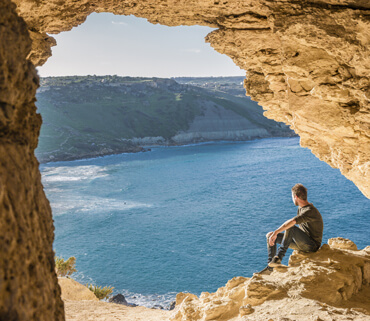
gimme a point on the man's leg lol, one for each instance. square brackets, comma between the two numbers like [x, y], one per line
[296, 239]
[271, 250]
[293, 238]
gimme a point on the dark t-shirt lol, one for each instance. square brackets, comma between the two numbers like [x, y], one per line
[310, 221]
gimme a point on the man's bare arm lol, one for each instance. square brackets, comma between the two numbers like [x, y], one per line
[286, 225]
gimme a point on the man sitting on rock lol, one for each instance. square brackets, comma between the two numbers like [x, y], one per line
[306, 238]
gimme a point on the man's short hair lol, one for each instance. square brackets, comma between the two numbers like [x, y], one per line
[300, 191]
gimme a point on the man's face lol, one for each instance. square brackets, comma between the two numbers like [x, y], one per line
[294, 199]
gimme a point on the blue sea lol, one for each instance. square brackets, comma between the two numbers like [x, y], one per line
[190, 218]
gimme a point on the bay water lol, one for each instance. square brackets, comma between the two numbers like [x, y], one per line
[190, 218]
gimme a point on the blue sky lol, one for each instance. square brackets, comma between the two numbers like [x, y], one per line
[128, 46]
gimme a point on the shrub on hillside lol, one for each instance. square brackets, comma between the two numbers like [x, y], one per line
[65, 268]
[101, 293]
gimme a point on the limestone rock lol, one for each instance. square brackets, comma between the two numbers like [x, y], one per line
[29, 287]
[222, 305]
[334, 277]
[342, 243]
[245, 310]
[72, 290]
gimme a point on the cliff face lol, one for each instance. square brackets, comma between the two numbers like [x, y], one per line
[332, 283]
[218, 123]
[28, 284]
[307, 62]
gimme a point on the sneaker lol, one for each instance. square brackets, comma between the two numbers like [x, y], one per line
[276, 261]
[266, 271]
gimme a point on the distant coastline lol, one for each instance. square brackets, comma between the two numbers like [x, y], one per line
[94, 116]
[148, 148]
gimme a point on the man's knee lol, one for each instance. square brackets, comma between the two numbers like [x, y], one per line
[269, 234]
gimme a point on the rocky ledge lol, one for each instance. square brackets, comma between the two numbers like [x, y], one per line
[331, 284]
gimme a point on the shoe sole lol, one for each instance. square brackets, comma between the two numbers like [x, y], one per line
[273, 264]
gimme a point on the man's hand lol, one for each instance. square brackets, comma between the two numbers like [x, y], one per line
[272, 239]
[273, 235]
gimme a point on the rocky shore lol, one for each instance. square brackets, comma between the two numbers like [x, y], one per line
[331, 284]
[139, 145]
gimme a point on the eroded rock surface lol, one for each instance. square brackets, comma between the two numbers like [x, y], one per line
[28, 283]
[307, 62]
[333, 279]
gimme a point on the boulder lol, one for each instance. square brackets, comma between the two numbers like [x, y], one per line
[342, 243]
[119, 299]
[172, 306]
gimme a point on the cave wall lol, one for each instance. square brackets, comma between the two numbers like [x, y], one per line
[311, 71]
[28, 284]
[307, 64]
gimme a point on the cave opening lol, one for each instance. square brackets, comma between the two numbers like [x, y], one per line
[152, 51]
[28, 222]
[94, 61]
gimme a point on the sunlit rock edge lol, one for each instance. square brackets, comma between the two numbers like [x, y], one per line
[333, 282]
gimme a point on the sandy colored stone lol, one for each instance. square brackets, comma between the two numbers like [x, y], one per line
[245, 310]
[72, 290]
[330, 282]
[28, 284]
[289, 309]
[104, 311]
[342, 243]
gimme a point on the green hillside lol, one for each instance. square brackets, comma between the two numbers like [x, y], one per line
[96, 115]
